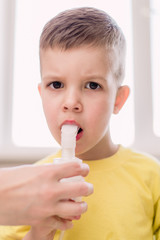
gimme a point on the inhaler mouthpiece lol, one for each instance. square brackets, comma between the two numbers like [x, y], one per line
[68, 141]
[68, 136]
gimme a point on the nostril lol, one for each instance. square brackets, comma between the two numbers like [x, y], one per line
[72, 107]
[65, 109]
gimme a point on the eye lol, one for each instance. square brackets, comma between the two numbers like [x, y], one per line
[93, 85]
[56, 85]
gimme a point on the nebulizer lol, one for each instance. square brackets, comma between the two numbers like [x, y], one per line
[68, 144]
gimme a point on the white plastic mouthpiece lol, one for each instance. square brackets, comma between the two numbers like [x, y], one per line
[68, 141]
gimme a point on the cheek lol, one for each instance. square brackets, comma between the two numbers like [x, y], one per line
[98, 115]
[51, 115]
[49, 105]
[100, 109]
[50, 110]
[47, 108]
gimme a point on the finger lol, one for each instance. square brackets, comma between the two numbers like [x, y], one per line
[71, 218]
[50, 225]
[62, 224]
[71, 190]
[68, 208]
[70, 169]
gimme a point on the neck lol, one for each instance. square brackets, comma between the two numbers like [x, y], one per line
[105, 148]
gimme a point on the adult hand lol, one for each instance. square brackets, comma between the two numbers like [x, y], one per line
[29, 194]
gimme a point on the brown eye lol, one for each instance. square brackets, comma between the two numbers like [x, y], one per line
[57, 85]
[93, 85]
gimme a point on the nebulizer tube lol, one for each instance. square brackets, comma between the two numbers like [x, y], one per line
[68, 144]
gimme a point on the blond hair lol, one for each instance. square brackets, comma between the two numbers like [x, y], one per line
[87, 26]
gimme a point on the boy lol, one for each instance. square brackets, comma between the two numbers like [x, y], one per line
[82, 54]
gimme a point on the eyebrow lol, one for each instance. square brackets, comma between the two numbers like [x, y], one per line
[92, 77]
[88, 78]
[51, 76]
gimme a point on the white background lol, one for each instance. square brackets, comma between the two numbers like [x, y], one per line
[23, 130]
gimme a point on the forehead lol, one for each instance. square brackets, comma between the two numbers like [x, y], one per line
[83, 59]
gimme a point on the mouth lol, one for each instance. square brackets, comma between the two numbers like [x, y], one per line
[80, 130]
[79, 133]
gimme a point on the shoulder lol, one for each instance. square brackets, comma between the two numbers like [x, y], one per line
[143, 166]
[140, 158]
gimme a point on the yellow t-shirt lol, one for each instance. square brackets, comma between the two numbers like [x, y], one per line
[125, 204]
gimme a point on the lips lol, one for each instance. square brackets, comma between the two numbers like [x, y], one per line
[73, 122]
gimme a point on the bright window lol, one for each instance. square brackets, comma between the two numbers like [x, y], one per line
[155, 54]
[29, 128]
[24, 134]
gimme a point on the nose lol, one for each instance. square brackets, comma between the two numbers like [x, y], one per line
[72, 102]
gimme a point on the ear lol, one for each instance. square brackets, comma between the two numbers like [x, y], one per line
[122, 95]
[39, 88]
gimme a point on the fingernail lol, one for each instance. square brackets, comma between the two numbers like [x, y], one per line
[90, 188]
[84, 206]
[84, 166]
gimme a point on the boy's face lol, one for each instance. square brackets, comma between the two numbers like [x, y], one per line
[78, 88]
